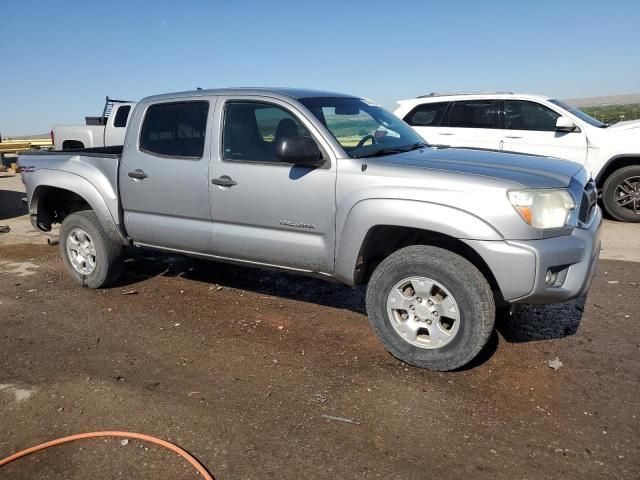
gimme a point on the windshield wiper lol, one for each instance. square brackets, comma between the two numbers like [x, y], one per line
[390, 151]
[380, 152]
[417, 145]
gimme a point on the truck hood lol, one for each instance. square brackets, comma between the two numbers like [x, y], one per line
[530, 171]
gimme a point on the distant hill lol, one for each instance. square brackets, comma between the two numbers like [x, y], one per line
[630, 99]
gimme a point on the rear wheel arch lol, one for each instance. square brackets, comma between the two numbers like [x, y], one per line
[72, 144]
[51, 204]
[54, 204]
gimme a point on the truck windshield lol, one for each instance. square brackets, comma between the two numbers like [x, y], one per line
[585, 117]
[362, 128]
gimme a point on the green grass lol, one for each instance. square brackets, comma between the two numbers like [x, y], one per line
[614, 113]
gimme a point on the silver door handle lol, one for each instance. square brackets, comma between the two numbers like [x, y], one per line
[512, 136]
[224, 181]
[137, 174]
[443, 133]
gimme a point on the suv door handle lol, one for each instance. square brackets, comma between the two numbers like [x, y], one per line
[224, 181]
[512, 136]
[445, 133]
[138, 174]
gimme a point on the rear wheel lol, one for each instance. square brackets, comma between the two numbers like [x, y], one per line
[91, 257]
[430, 307]
[621, 194]
[72, 145]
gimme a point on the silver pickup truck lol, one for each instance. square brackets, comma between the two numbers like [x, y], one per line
[335, 186]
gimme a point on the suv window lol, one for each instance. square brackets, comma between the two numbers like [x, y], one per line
[175, 129]
[524, 115]
[474, 114]
[122, 114]
[427, 115]
[251, 130]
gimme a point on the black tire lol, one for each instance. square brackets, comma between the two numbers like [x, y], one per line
[108, 265]
[621, 214]
[465, 283]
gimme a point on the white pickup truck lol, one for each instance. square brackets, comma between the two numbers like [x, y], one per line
[539, 125]
[103, 131]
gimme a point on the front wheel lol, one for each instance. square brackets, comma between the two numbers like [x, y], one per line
[621, 194]
[91, 257]
[430, 307]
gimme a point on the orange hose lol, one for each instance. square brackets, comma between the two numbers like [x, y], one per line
[140, 436]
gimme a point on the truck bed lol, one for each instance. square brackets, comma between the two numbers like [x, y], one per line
[112, 150]
[92, 173]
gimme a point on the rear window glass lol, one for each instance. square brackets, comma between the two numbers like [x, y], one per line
[175, 129]
[427, 115]
[474, 114]
[121, 116]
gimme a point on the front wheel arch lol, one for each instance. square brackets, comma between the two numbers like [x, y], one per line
[614, 164]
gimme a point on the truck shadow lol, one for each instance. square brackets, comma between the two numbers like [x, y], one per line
[527, 323]
[530, 323]
[11, 204]
[141, 264]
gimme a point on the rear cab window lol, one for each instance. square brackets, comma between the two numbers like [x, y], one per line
[122, 115]
[175, 129]
[474, 114]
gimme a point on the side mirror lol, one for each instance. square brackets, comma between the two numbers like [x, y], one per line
[564, 124]
[299, 151]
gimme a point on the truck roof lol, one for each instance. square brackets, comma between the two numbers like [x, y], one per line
[296, 93]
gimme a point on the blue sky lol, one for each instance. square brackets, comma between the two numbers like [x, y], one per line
[63, 57]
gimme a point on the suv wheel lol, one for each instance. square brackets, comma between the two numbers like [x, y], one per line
[91, 257]
[621, 194]
[430, 307]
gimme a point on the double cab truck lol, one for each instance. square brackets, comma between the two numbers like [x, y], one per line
[103, 131]
[334, 186]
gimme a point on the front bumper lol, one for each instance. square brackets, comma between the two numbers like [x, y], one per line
[520, 267]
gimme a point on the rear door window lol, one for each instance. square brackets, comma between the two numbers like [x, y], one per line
[122, 114]
[474, 114]
[427, 115]
[175, 129]
[525, 115]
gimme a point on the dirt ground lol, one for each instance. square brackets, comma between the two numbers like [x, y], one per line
[240, 366]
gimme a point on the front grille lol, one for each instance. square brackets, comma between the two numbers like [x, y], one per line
[588, 202]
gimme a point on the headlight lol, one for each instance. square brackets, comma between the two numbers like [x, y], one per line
[545, 208]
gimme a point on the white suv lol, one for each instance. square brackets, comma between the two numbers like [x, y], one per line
[538, 125]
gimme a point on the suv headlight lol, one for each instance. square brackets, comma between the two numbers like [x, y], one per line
[544, 208]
